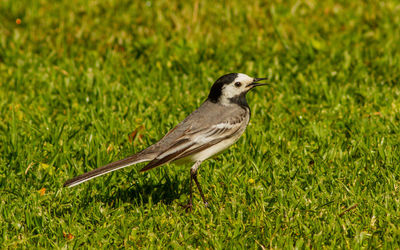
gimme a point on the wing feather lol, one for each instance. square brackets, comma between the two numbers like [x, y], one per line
[191, 143]
[166, 157]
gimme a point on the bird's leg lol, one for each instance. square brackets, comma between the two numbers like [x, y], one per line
[190, 203]
[200, 190]
[193, 175]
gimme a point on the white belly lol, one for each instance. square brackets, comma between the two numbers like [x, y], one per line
[215, 149]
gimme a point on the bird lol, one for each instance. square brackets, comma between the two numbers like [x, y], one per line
[217, 124]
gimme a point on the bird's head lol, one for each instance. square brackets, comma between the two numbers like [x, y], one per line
[232, 88]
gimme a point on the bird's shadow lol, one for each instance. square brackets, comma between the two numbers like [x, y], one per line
[170, 188]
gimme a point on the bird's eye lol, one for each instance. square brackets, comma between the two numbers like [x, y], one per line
[238, 84]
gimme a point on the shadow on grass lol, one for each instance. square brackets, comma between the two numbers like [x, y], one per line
[165, 192]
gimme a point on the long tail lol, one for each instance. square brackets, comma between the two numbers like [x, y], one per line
[137, 158]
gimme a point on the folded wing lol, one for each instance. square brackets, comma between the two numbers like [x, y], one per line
[192, 142]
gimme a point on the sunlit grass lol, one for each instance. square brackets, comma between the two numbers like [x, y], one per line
[86, 83]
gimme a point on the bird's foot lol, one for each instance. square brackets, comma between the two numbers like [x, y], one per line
[188, 207]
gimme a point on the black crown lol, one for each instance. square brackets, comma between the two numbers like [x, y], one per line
[216, 89]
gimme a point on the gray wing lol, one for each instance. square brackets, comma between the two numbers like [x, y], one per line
[207, 126]
[208, 120]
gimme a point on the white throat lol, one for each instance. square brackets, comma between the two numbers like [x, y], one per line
[230, 91]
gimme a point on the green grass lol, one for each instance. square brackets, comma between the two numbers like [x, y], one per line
[318, 166]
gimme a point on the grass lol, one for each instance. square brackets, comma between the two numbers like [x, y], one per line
[317, 167]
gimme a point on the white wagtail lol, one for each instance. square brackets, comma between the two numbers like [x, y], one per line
[213, 127]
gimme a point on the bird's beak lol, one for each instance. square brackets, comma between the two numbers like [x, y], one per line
[256, 83]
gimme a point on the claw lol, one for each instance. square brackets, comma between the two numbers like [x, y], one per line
[188, 207]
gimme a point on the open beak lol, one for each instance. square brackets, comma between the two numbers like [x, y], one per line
[256, 83]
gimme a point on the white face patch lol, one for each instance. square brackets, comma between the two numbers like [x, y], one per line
[235, 88]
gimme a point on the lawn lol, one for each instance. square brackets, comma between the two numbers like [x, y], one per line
[85, 83]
